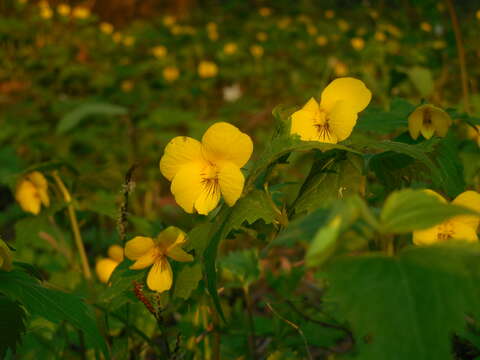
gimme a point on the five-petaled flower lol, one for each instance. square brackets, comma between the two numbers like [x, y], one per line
[31, 192]
[147, 252]
[201, 172]
[428, 120]
[333, 119]
[462, 227]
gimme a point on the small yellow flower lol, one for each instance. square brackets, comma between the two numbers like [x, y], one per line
[46, 12]
[169, 20]
[262, 36]
[477, 14]
[5, 257]
[80, 12]
[32, 192]
[63, 9]
[428, 120]
[265, 11]
[380, 36]
[357, 43]
[343, 25]
[207, 69]
[170, 73]
[230, 48]
[474, 133]
[312, 30]
[146, 252]
[212, 31]
[329, 14]
[128, 40]
[105, 266]
[333, 119]
[106, 28]
[463, 227]
[340, 68]
[425, 26]
[321, 40]
[159, 51]
[256, 51]
[201, 172]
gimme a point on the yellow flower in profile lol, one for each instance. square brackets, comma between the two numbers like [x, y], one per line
[230, 48]
[201, 172]
[256, 51]
[159, 51]
[265, 11]
[32, 192]
[357, 43]
[207, 69]
[63, 9]
[462, 227]
[474, 133]
[321, 40]
[425, 26]
[106, 28]
[80, 12]
[329, 14]
[262, 36]
[105, 266]
[333, 119]
[170, 73]
[146, 252]
[428, 120]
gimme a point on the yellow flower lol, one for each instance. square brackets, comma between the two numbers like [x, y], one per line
[32, 192]
[428, 120]
[170, 73]
[80, 12]
[128, 40]
[357, 43]
[340, 68]
[463, 227]
[333, 119]
[262, 36]
[265, 11]
[147, 252]
[201, 172]
[425, 26]
[321, 40]
[474, 133]
[159, 51]
[63, 9]
[343, 25]
[477, 14]
[329, 14]
[207, 69]
[117, 37]
[106, 28]
[105, 266]
[380, 36]
[46, 12]
[212, 31]
[169, 20]
[230, 48]
[5, 256]
[256, 51]
[312, 30]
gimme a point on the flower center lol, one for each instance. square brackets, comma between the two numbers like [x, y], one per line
[427, 118]
[320, 122]
[445, 231]
[209, 177]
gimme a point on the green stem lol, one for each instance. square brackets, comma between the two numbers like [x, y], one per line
[251, 324]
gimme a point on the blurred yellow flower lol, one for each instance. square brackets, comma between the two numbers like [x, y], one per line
[105, 266]
[380, 36]
[265, 11]
[321, 40]
[127, 85]
[159, 51]
[340, 68]
[312, 30]
[357, 43]
[343, 25]
[80, 12]
[63, 9]
[207, 69]
[148, 252]
[262, 36]
[477, 14]
[202, 172]
[473, 133]
[170, 73]
[462, 227]
[46, 12]
[428, 120]
[333, 119]
[425, 26]
[329, 14]
[128, 40]
[169, 20]
[106, 28]
[32, 192]
[212, 31]
[117, 37]
[256, 51]
[230, 48]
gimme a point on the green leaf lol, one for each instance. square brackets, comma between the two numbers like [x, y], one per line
[385, 122]
[422, 79]
[12, 324]
[324, 243]
[406, 307]
[53, 305]
[187, 280]
[243, 264]
[408, 210]
[73, 118]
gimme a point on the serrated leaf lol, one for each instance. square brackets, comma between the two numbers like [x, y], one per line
[12, 324]
[406, 307]
[408, 210]
[187, 280]
[243, 264]
[73, 118]
[53, 305]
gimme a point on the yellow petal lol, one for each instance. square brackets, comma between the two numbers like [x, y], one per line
[145, 260]
[471, 200]
[138, 246]
[208, 198]
[224, 142]
[341, 121]
[178, 254]
[415, 123]
[352, 92]
[180, 151]
[427, 130]
[115, 252]
[105, 268]
[303, 121]
[426, 237]
[160, 276]
[27, 197]
[462, 231]
[187, 186]
[231, 181]
[170, 236]
[441, 120]
[41, 184]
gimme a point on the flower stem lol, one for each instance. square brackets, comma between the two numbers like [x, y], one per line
[74, 224]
